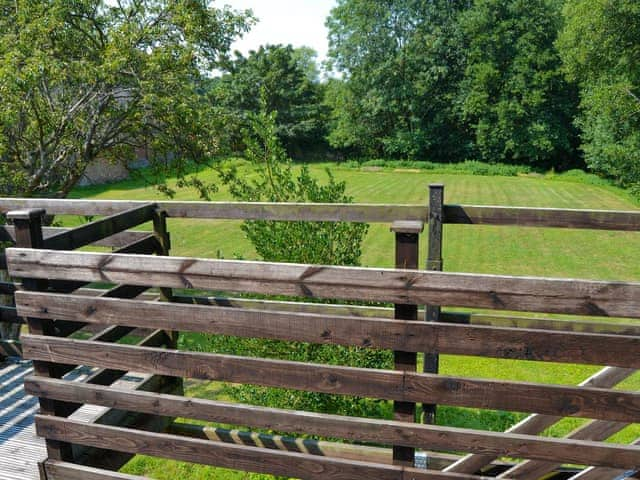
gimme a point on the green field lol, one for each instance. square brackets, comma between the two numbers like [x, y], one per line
[501, 250]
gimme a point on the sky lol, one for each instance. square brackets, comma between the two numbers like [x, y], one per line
[298, 22]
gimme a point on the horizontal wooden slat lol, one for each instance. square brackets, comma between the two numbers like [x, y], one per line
[68, 471]
[408, 336]
[251, 459]
[351, 428]
[327, 212]
[490, 320]
[603, 473]
[608, 377]
[349, 451]
[120, 239]
[596, 430]
[618, 299]
[460, 214]
[100, 229]
[542, 217]
[145, 245]
[512, 321]
[391, 385]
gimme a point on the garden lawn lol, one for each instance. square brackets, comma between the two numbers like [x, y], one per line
[483, 249]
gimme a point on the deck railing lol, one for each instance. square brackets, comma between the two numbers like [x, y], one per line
[589, 340]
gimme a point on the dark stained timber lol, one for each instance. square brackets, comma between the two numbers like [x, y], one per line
[621, 406]
[496, 320]
[460, 214]
[69, 471]
[120, 239]
[252, 459]
[542, 217]
[325, 212]
[100, 229]
[617, 299]
[402, 335]
[350, 428]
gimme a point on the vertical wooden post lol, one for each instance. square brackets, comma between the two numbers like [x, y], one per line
[407, 242]
[28, 232]
[164, 245]
[434, 263]
[163, 237]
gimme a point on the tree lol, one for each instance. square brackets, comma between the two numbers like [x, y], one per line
[87, 79]
[513, 95]
[600, 46]
[401, 63]
[325, 243]
[288, 80]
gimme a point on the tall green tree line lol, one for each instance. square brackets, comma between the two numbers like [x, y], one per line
[450, 79]
[600, 47]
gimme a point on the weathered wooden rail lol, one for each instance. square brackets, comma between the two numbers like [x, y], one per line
[139, 421]
[112, 231]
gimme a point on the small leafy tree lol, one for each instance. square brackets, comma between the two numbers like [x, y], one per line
[303, 242]
[333, 243]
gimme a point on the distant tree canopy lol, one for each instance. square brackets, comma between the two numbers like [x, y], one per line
[600, 46]
[548, 83]
[287, 80]
[447, 80]
[401, 62]
[84, 79]
[513, 96]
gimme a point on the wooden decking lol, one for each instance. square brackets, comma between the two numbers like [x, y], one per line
[20, 448]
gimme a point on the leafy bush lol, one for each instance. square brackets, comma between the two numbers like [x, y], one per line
[337, 243]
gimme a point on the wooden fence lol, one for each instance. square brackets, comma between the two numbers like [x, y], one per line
[140, 420]
[27, 231]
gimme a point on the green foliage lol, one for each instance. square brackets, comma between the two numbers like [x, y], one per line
[329, 243]
[88, 78]
[289, 82]
[513, 95]
[334, 243]
[449, 80]
[304, 352]
[600, 46]
[401, 61]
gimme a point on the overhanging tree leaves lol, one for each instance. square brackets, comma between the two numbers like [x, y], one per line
[87, 79]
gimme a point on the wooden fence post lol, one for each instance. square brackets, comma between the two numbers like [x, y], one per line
[163, 238]
[28, 232]
[407, 242]
[434, 263]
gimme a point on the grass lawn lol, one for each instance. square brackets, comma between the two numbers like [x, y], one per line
[503, 250]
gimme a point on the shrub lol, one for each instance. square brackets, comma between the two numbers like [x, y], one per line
[337, 243]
